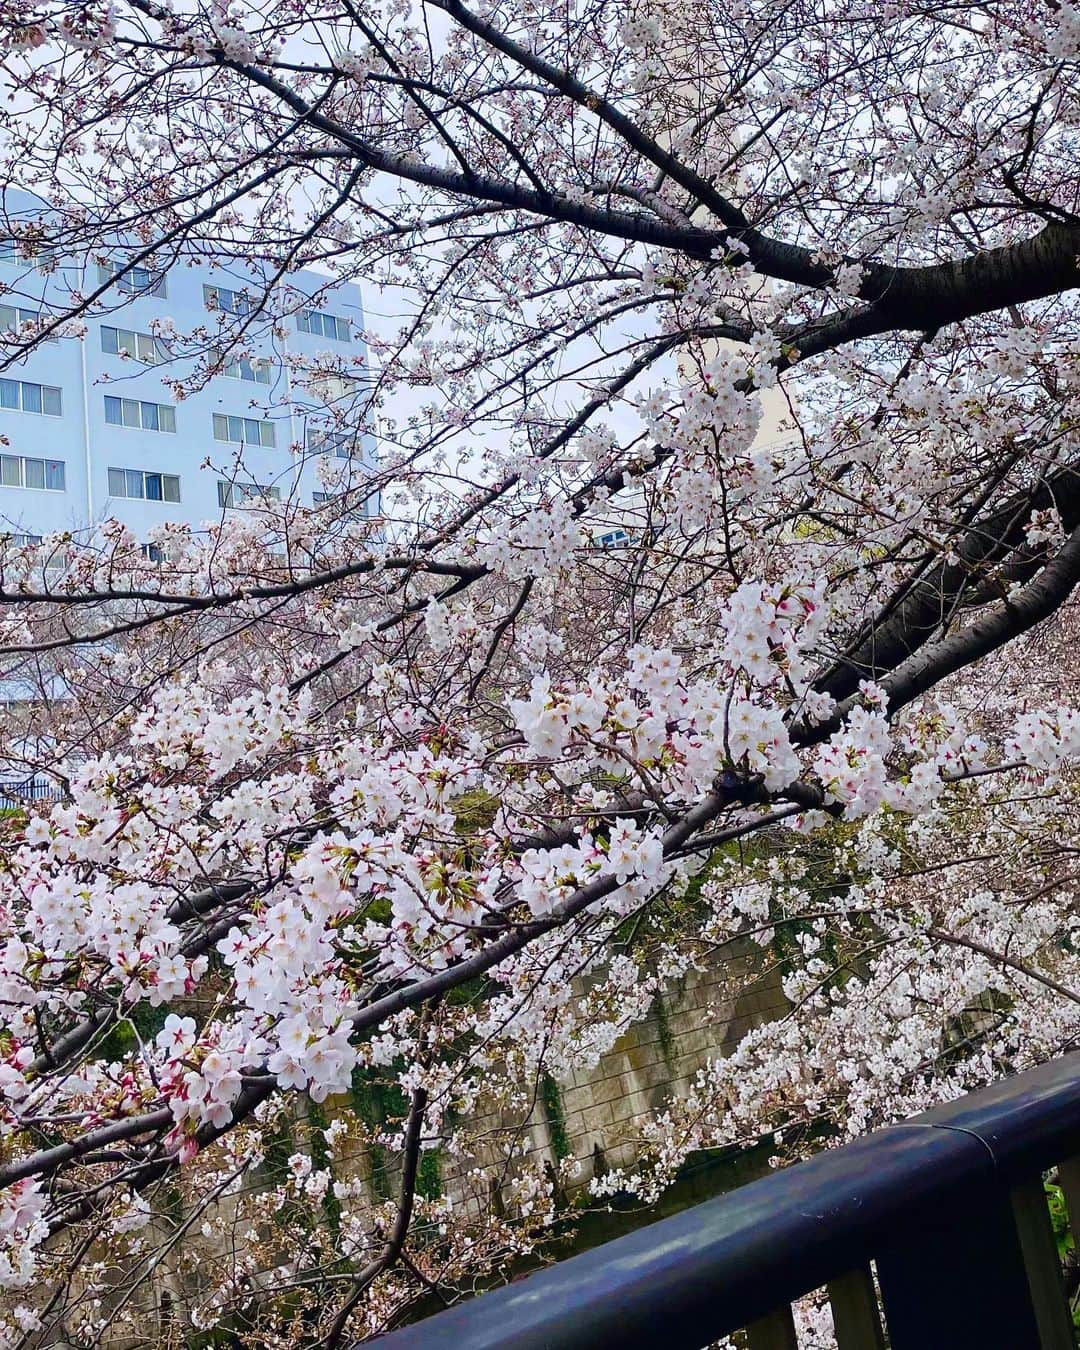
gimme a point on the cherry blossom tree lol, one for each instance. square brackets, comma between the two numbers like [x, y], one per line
[441, 794]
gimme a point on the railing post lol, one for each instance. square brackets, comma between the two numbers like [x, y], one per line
[1069, 1177]
[1032, 1217]
[958, 1278]
[775, 1331]
[856, 1320]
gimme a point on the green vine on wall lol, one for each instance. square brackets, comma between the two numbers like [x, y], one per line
[663, 1029]
[429, 1175]
[551, 1098]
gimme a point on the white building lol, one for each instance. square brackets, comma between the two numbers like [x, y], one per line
[91, 428]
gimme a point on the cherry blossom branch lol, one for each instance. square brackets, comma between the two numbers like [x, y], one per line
[899, 632]
[1003, 959]
[395, 1241]
[261, 1085]
[1032, 604]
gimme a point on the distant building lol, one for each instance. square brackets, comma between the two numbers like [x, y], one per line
[91, 431]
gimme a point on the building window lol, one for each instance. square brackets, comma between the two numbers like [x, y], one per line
[22, 396]
[250, 369]
[126, 342]
[231, 302]
[331, 389]
[24, 540]
[25, 254]
[343, 509]
[133, 280]
[137, 483]
[317, 323]
[152, 552]
[13, 318]
[613, 539]
[245, 494]
[47, 475]
[132, 412]
[243, 430]
[323, 441]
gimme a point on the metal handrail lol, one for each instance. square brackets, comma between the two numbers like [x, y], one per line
[949, 1207]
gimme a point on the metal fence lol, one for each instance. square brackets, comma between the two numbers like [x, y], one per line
[31, 790]
[934, 1234]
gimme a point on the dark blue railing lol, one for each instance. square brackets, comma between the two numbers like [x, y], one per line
[935, 1232]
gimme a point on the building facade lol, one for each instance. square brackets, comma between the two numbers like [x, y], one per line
[96, 427]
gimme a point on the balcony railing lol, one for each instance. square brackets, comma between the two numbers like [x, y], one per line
[14, 793]
[934, 1234]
